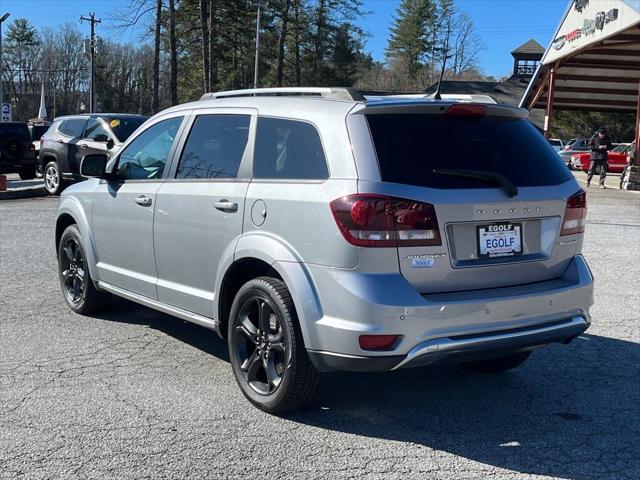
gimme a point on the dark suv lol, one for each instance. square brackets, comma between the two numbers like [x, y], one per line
[17, 153]
[70, 138]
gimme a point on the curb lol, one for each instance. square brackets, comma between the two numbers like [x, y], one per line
[18, 193]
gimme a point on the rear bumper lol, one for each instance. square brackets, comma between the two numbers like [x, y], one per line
[444, 327]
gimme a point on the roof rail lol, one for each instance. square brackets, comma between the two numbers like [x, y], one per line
[338, 93]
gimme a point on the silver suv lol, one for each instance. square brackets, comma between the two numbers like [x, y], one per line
[318, 230]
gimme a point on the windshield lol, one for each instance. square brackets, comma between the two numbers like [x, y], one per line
[124, 126]
[411, 146]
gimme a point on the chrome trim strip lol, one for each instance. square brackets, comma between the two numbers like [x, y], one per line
[209, 323]
[449, 345]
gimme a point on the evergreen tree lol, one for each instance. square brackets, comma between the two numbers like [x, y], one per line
[411, 40]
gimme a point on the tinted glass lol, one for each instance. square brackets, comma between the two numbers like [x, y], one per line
[38, 131]
[73, 127]
[146, 156]
[288, 149]
[124, 126]
[15, 130]
[215, 147]
[95, 127]
[411, 146]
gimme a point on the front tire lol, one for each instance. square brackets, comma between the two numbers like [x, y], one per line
[52, 178]
[77, 286]
[266, 349]
[498, 365]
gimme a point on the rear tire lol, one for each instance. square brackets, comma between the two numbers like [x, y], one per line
[52, 178]
[498, 365]
[266, 349]
[27, 173]
[77, 286]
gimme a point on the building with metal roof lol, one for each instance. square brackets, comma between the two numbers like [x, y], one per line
[592, 62]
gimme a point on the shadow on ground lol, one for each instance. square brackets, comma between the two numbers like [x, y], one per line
[570, 411]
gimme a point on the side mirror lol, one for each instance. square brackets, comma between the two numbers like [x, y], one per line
[94, 166]
[101, 137]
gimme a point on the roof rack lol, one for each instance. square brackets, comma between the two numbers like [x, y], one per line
[339, 93]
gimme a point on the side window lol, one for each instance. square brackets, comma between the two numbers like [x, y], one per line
[145, 157]
[94, 128]
[214, 147]
[288, 149]
[72, 127]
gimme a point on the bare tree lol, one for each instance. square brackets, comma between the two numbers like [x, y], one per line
[156, 57]
[466, 45]
[173, 55]
[281, 42]
[204, 35]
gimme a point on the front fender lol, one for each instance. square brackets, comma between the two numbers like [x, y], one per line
[72, 206]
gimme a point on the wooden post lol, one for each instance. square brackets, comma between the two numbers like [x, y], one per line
[550, 93]
[638, 129]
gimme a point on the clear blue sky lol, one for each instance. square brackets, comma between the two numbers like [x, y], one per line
[502, 24]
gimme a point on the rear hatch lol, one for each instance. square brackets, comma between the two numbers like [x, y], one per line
[478, 197]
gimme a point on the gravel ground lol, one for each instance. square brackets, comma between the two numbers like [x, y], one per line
[137, 394]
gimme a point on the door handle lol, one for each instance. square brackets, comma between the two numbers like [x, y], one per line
[60, 140]
[226, 206]
[83, 145]
[144, 201]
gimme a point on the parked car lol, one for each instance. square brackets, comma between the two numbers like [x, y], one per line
[556, 143]
[17, 154]
[317, 231]
[70, 138]
[617, 159]
[577, 145]
[36, 132]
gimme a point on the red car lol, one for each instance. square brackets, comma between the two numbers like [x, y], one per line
[617, 159]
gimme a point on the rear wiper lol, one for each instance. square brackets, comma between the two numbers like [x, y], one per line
[483, 175]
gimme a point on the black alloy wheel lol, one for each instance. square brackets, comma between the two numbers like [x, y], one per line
[73, 271]
[75, 279]
[266, 349]
[260, 345]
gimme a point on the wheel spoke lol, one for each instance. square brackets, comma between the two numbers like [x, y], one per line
[76, 288]
[248, 329]
[253, 365]
[264, 311]
[68, 252]
[272, 375]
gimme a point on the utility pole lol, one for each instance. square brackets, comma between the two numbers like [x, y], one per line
[255, 70]
[2, 19]
[92, 42]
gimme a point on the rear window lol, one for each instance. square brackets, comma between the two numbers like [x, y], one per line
[411, 146]
[15, 130]
[38, 131]
[123, 127]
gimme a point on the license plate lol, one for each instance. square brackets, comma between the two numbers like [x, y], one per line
[499, 240]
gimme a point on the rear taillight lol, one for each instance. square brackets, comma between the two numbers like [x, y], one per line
[32, 147]
[368, 220]
[575, 214]
[41, 141]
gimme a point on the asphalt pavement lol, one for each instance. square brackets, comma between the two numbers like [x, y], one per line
[133, 393]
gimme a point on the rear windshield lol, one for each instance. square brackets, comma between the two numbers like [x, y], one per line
[411, 146]
[38, 131]
[123, 126]
[15, 130]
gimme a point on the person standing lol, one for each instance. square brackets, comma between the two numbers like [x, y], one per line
[631, 160]
[600, 144]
